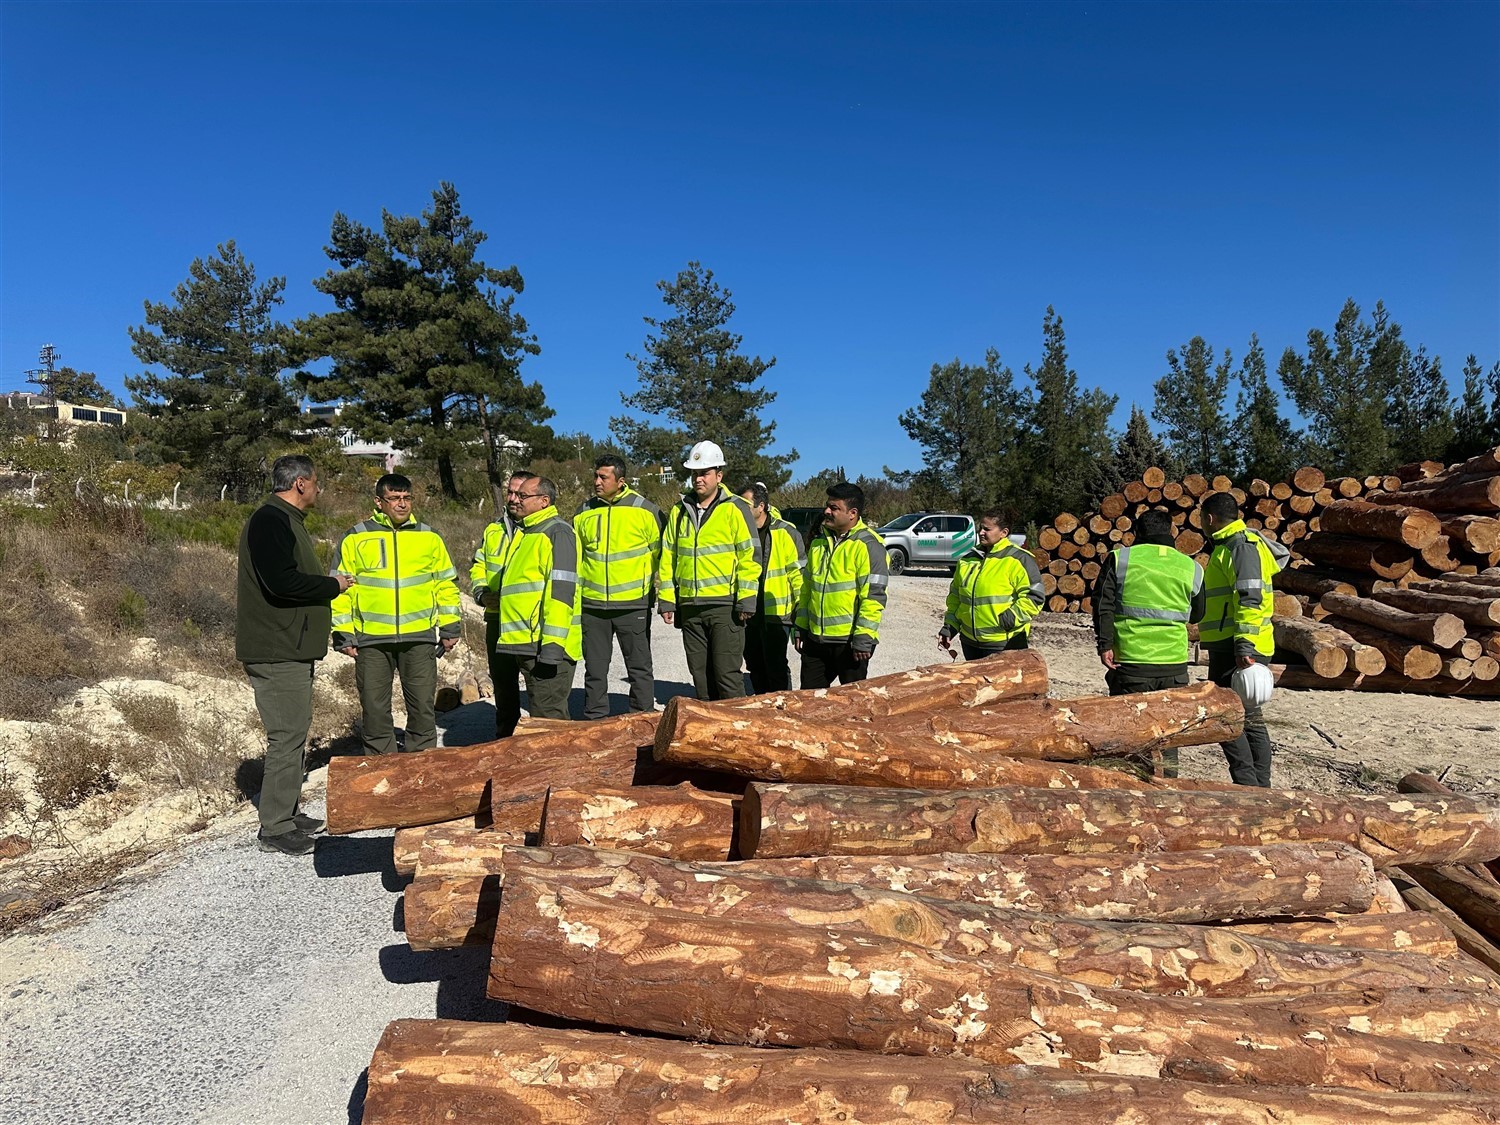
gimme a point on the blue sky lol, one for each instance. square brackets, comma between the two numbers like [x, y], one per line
[882, 186]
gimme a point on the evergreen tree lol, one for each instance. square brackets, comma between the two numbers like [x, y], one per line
[969, 425]
[425, 341]
[1493, 380]
[1070, 432]
[1339, 387]
[1474, 428]
[1190, 404]
[1419, 408]
[1269, 448]
[226, 399]
[1137, 450]
[693, 374]
[69, 385]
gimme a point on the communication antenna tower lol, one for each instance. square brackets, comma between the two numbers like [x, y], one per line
[45, 376]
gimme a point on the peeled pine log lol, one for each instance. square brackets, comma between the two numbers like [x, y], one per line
[1484, 612]
[1286, 605]
[398, 790]
[1311, 583]
[1381, 557]
[801, 820]
[1440, 630]
[1474, 899]
[1391, 682]
[1403, 657]
[1409, 932]
[951, 750]
[406, 844]
[435, 1072]
[1414, 527]
[580, 956]
[679, 822]
[456, 894]
[1469, 940]
[1308, 479]
[1323, 647]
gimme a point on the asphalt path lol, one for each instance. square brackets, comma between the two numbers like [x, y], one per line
[223, 984]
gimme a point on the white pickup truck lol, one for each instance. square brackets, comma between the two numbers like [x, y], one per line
[937, 539]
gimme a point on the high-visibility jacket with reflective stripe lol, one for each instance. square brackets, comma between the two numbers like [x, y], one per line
[994, 596]
[1156, 588]
[782, 584]
[1237, 582]
[712, 561]
[404, 588]
[620, 544]
[484, 574]
[539, 601]
[844, 588]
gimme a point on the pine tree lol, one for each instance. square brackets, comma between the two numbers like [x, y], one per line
[692, 373]
[1270, 449]
[1339, 387]
[1070, 432]
[226, 400]
[1190, 404]
[1471, 418]
[69, 385]
[970, 425]
[425, 341]
[1138, 450]
[1419, 408]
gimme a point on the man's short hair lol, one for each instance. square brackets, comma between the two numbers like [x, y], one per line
[851, 494]
[1001, 514]
[545, 487]
[1154, 525]
[1222, 506]
[759, 496]
[521, 474]
[392, 482]
[288, 470]
[614, 462]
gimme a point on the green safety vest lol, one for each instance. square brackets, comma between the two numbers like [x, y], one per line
[404, 588]
[715, 562]
[994, 598]
[1237, 588]
[620, 541]
[783, 585]
[539, 601]
[844, 589]
[1157, 585]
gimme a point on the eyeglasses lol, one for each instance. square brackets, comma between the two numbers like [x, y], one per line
[523, 495]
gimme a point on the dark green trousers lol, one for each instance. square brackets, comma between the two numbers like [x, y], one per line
[375, 666]
[714, 642]
[1133, 682]
[600, 629]
[283, 696]
[547, 688]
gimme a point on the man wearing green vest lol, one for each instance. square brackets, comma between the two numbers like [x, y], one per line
[401, 616]
[484, 573]
[619, 543]
[280, 633]
[1145, 597]
[843, 593]
[1236, 624]
[539, 637]
[776, 601]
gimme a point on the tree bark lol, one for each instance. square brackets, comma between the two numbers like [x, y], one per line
[1409, 932]
[1323, 647]
[1403, 657]
[406, 843]
[1311, 583]
[679, 822]
[583, 957]
[1481, 611]
[1378, 556]
[1440, 630]
[399, 790]
[1479, 534]
[1391, 682]
[803, 820]
[1474, 899]
[1415, 527]
[1476, 495]
[1461, 586]
[435, 1072]
[1470, 941]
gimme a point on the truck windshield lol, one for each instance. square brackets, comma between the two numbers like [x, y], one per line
[901, 523]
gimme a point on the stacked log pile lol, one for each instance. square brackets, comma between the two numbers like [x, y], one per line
[925, 938]
[1071, 549]
[1405, 578]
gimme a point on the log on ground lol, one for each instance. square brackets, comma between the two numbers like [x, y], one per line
[1403, 656]
[679, 822]
[1409, 932]
[1440, 630]
[1391, 682]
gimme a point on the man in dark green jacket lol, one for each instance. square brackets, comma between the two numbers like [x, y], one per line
[281, 631]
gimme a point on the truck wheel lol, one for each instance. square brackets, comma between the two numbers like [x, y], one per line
[895, 560]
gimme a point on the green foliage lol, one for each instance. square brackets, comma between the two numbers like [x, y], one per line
[1190, 405]
[225, 398]
[83, 387]
[970, 424]
[1137, 450]
[425, 341]
[1269, 448]
[30, 455]
[1419, 408]
[130, 610]
[17, 423]
[1340, 387]
[692, 373]
[1069, 432]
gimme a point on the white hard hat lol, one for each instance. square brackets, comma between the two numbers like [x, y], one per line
[705, 455]
[1253, 684]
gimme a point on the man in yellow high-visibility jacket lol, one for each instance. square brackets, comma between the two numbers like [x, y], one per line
[709, 574]
[401, 614]
[619, 541]
[768, 629]
[843, 593]
[484, 573]
[1236, 626]
[538, 636]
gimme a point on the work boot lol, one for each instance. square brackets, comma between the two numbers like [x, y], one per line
[294, 842]
[309, 825]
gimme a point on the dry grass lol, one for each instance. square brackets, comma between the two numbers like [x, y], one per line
[202, 752]
[72, 766]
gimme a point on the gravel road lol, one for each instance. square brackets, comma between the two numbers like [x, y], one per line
[222, 984]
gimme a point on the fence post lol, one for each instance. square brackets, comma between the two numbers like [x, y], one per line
[175, 487]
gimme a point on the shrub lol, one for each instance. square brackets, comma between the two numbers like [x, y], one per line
[71, 767]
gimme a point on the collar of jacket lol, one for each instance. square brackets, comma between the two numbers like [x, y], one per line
[536, 519]
[859, 525]
[625, 492]
[384, 520]
[290, 509]
[690, 498]
[999, 548]
[1229, 529]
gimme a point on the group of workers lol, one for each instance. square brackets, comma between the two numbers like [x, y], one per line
[721, 567]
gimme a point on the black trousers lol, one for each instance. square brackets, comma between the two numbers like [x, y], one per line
[974, 651]
[1249, 755]
[822, 664]
[601, 627]
[1133, 682]
[765, 654]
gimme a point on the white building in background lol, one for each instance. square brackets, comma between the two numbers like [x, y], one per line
[71, 413]
[353, 445]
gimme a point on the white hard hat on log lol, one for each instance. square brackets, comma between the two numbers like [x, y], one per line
[704, 455]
